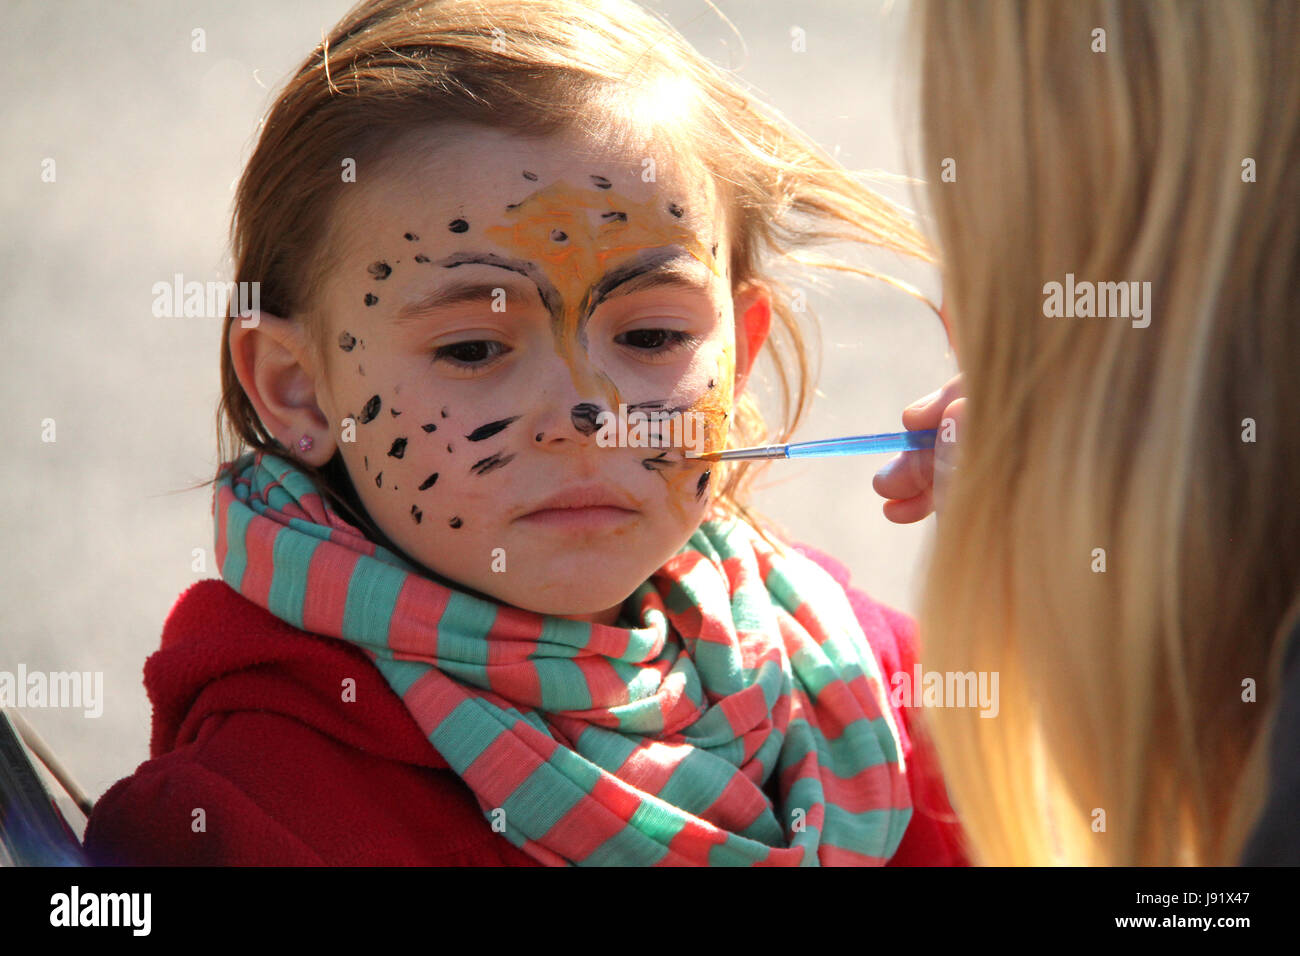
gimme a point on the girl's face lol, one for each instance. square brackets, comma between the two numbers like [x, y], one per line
[493, 296]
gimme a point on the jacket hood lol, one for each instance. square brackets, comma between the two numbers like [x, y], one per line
[221, 654]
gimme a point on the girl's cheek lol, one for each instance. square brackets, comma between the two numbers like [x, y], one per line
[714, 403]
[412, 454]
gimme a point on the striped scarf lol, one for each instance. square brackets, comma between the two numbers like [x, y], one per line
[598, 745]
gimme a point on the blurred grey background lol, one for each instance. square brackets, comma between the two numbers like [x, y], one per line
[148, 140]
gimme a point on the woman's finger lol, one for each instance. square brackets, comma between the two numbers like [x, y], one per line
[911, 509]
[905, 475]
[926, 412]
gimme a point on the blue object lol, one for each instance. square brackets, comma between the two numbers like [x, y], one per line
[828, 447]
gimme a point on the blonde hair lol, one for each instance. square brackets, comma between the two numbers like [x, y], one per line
[1121, 692]
[535, 68]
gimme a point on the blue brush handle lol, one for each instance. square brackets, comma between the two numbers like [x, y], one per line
[863, 444]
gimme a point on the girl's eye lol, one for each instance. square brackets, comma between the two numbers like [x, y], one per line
[655, 341]
[477, 353]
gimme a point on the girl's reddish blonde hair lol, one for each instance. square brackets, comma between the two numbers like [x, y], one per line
[535, 67]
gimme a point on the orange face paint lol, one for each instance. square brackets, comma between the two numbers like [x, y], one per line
[575, 237]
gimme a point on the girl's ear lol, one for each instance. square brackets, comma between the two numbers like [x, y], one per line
[271, 358]
[753, 311]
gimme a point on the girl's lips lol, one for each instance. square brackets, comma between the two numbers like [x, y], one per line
[595, 518]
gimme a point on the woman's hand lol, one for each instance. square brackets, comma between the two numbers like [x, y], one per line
[914, 482]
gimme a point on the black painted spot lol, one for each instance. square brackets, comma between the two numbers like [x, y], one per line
[412, 237]
[531, 177]
[379, 480]
[600, 182]
[371, 299]
[715, 249]
[583, 416]
[449, 448]
[614, 216]
[701, 485]
[559, 235]
[458, 225]
[366, 459]
[657, 405]
[416, 514]
[539, 437]
[491, 463]
[658, 461]
[347, 342]
[712, 384]
[444, 411]
[370, 411]
[455, 522]
[398, 449]
[675, 209]
[490, 429]
[421, 257]
[428, 482]
[380, 270]
[429, 428]
[394, 412]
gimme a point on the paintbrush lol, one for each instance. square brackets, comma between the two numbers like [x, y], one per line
[828, 447]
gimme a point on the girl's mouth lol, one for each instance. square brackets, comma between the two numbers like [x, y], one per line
[597, 518]
[589, 507]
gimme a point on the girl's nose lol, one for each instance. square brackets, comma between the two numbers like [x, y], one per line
[566, 412]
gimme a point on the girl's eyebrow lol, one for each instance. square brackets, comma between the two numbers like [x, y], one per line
[457, 292]
[671, 266]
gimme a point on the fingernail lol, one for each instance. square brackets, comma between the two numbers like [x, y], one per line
[926, 400]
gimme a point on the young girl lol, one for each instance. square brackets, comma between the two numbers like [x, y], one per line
[454, 625]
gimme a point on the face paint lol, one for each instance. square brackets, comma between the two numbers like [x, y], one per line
[701, 485]
[490, 429]
[370, 411]
[574, 239]
[553, 232]
[584, 417]
[491, 463]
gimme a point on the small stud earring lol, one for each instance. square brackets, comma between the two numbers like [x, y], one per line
[305, 443]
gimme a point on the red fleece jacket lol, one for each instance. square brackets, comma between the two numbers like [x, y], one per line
[247, 728]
